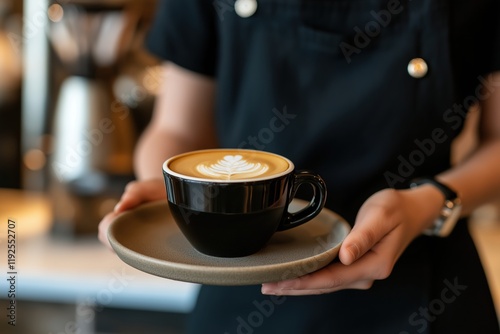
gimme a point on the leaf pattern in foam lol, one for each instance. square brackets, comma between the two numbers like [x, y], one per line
[232, 165]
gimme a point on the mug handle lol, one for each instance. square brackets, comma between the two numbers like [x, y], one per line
[294, 219]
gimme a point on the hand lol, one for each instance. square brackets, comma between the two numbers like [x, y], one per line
[385, 225]
[136, 193]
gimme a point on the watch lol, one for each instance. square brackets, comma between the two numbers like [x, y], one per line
[450, 212]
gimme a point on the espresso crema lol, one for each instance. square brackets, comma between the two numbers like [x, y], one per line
[229, 165]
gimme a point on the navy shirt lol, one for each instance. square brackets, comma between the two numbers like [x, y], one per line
[327, 84]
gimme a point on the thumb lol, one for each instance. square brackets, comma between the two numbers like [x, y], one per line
[139, 192]
[368, 230]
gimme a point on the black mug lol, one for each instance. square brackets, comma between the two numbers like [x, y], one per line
[229, 202]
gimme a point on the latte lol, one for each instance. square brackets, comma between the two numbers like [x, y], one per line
[229, 202]
[229, 165]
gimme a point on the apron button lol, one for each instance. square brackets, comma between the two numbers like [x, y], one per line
[245, 8]
[417, 68]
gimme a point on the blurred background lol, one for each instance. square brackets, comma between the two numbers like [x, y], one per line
[76, 90]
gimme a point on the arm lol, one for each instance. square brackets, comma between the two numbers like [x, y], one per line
[182, 121]
[390, 219]
[477, 180]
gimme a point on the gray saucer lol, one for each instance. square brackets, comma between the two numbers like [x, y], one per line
[148, 239]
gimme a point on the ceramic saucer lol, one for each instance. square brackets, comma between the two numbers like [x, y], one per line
[148, 239]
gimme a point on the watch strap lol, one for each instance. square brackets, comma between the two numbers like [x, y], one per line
[443, 225]
[448, 193]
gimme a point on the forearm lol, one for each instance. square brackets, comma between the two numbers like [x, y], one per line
[182, 121]
[477, 180]
[157, 145]
[154, 147]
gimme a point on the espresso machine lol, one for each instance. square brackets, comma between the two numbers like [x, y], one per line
[93, 124]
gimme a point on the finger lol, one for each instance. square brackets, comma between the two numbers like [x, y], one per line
[332, 277]
[137, 193]
[359, 285]
[377, 264]
[103, 229]
[369, 228]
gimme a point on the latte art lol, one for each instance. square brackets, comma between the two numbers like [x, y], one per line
[228, 165]
[233, 165]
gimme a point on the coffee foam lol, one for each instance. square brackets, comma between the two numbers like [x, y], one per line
[229, 165]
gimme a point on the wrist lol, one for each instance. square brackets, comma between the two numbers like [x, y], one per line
[450, 209]
[426, 202]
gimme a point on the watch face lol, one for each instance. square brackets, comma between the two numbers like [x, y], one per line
[455, 213]
[450, 216]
